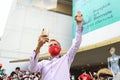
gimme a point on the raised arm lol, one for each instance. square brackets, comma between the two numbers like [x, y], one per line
[76, 42]
[34, 65]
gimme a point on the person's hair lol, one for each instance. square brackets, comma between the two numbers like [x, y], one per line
[17, 68]
[55, 40]
[105, 75]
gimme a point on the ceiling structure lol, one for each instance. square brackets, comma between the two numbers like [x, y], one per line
[64, 7]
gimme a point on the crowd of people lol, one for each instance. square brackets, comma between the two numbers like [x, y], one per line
[102, 74]
[19, 74]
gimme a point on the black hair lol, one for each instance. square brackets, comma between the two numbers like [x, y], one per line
[105, 75]
[17, 68]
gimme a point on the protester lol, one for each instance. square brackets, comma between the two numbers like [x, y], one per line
[84, 76]
[15, 74]
[57, 67]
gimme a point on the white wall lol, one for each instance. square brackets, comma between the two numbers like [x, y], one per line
[4, 12]
[106, 33]
[23, 27]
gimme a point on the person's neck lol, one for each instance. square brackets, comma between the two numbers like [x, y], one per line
[56, 56]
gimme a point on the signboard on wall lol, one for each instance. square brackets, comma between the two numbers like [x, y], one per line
[96, 13]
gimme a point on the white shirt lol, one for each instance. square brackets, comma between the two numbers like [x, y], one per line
[57, 68]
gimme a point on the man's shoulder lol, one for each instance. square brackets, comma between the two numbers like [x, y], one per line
[13, 72]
